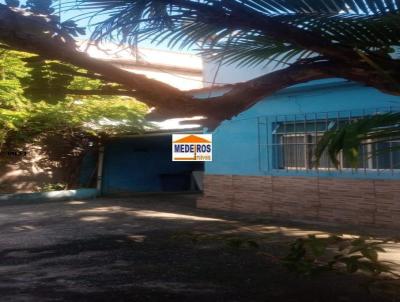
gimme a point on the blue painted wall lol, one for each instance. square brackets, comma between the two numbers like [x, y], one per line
[78, 194]
[143, 164]
[236, 142]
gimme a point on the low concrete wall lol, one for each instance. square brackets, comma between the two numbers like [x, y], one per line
[53, 196]
[349, 201]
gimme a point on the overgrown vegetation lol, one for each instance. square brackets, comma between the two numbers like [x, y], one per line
[310, 255]
[349, 139]
[309, 40]
[28, 114]
[39, 118]
[48, 187]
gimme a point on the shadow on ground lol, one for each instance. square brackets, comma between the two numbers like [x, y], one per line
[128, 250]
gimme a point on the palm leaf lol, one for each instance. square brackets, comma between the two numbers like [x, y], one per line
[367, 25]
[349, 138]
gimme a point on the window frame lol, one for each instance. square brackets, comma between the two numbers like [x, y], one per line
[276, 146]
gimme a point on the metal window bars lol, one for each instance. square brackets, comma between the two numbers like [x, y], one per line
[288, 143]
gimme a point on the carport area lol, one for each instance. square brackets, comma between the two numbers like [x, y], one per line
[145, 248]
[144, 163]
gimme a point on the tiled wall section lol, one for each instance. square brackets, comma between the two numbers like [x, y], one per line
[349, 201]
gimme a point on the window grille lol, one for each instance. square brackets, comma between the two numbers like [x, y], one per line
[288, 143]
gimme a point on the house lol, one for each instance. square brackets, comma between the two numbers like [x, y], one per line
[263, 159]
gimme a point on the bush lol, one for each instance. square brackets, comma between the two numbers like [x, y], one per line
[49, 187]
[311, 255]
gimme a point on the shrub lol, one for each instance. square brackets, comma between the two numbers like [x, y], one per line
[311, 255]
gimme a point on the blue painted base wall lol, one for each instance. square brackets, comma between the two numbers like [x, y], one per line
[77, 194]
[236, 142]
[144, 164]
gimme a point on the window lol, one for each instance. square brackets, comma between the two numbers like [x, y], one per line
[296, 151]
[294, 143]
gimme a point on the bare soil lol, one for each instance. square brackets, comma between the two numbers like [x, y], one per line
[138, 249]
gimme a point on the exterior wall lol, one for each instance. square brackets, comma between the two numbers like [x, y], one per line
[78, 194]
[241, 133]
[241, 178]
[348, 201]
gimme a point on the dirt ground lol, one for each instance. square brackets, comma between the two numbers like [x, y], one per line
[137, 249]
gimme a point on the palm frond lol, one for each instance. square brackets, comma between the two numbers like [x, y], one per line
[349, 138]
[220, 28]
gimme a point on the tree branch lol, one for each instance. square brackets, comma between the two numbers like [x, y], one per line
[31, 33]
[27, 32]
[103, 92]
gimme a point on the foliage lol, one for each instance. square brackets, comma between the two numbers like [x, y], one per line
[358, 39]
[45, 7]
[40, 7]
[308, 256]
[230, 241]
[22, 118]
[349, 138]
[239, 30]
[311, 255]
[46, 80]
[49, 187]
[352, 39]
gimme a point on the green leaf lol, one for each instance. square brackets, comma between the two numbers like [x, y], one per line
[348, 139]
[370, 254]
[24, 118]
[230, 30]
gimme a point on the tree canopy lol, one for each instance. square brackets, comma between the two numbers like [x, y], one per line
[309, 39]
[43, 107]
